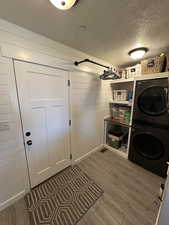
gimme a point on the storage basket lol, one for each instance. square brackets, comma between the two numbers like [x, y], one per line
[134, 71]
[115, 113]
[115, 140]
[122, 112]
[120, 95]
[153, 65]
[167, 62]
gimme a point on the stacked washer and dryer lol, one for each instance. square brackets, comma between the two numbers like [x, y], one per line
[149, 142]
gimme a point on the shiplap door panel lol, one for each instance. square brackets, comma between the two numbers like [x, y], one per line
[14, 181]
[89, 104]
[43, 94]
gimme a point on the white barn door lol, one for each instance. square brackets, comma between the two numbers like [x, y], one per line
[43, 95]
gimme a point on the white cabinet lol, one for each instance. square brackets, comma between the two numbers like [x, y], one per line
[13, 170]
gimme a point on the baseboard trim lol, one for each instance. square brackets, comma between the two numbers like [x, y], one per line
[12, 200]
[122, 154]
[98, 148]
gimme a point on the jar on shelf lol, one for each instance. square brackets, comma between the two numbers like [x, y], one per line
[115, 113]
[127, 117]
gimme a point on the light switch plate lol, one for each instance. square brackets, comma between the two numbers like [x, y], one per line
[4, 126]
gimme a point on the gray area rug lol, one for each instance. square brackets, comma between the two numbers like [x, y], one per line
[63, 199]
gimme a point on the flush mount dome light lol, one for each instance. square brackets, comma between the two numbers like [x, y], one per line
[138, 53]
[63, 4]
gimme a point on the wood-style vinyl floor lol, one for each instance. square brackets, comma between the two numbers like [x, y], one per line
[130, 194]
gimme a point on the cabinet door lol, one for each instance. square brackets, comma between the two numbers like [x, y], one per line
[43, 95]
[13, 169]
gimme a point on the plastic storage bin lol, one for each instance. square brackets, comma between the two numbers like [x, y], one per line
[134, 71]
[122, 112]
[115, 113]
[115, 138]
[120, 95]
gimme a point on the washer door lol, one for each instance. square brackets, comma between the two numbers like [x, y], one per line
[153, 101]
[148, 146]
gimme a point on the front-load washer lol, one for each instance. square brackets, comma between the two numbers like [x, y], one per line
[151, 102]
[149, 148]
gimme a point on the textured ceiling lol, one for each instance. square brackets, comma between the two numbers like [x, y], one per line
[113, 26]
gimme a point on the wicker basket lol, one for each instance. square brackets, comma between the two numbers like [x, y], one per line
[167, 62]
[153, 65]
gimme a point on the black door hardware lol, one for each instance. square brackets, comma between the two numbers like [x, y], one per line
[29, 142]
[90, 61]
[28, 134]
[108, 74]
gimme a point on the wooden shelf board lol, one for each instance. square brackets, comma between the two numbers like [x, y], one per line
[128, 103]
[153, 76]
[122, 81]
[142, 77]
[117, 151]
[117, 122]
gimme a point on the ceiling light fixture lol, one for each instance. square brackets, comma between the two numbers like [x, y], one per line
[138, 53]
[63, 4]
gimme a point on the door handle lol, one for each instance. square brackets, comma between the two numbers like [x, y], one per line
[28, 134]
[29, 142]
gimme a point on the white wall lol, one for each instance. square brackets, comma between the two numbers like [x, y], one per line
[13, 170]
[17, 42]
[88, 94]
[89, 105]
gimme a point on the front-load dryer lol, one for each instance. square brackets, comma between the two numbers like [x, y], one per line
[149, 148]
[151, 102]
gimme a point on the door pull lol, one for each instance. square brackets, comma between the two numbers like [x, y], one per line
[29, 142]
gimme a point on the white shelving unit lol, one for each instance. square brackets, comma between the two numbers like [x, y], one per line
[106, 145]
[122, 81]
[112, 122]
[134, 80]
[152, 76]
[142, 77]
[117, 151]
[128, 103]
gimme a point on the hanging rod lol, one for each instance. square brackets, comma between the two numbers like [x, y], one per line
[90, 61]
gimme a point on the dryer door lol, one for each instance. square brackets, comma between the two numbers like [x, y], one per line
[153, 101]
[148, 146]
